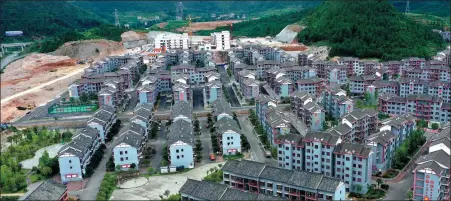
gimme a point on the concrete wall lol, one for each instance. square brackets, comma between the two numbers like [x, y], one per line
[70, 165]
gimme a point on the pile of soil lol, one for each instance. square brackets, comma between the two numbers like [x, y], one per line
[87, 49]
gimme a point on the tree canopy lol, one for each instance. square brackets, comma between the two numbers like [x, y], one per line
[369, 29]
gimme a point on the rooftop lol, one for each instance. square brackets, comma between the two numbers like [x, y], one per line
[47, 190]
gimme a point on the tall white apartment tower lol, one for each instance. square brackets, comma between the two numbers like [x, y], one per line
[221, 40]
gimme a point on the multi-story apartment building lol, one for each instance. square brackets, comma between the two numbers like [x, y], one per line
[147, 94]
[440, 89]
[386, 86]
[211, 76]
[221, 40]
[171, 41]
[109, 96]
[336, 74]
[294, 73]
[75, 156]
[290, 151]
[369, 67]
[164, 80]
[401, 126]
[303, 105]
[345, 132]
[196, 75]
[335, 102]
[180, 144]
[47, 190]
[304, 60]
[392, 67]
[413, 62]
[312, 85]
[275, 123]
[364, 122]
[409, 86]
[142, 115]
[321, 67]
[182, 92]
[213, 90]
[353, 164]
[262, 104]
[289, 184]
[102, 120]
[194, 190]
[319, 147]
[128, 148]
[229, 136]
[426, 107]
[432, 174]
[352, 64]
[263, 66]
[383, 144]
[358, 84]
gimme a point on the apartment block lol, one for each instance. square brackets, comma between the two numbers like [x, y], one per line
[304, 60]
[142, 115]
[413, 62]
[221, 109]
[353, 164]
[312, 85]
[229, 136]
[322, 66]
[319, 147]
[194, 190]
[290, 151]
[221, 40]
[409, 86]
[294, 73]
[352, 64]
[431, 175]
[426, 107]
[213, 90]
[392, 67]
[180, 144]
[383, 144]
[263, 66]
[171, 41]
[369, 67]
[147, 94]
[129, 146]
[102, 120]
[401, 126]
[358, 84]
[74, 157]
[440, 89]
[182, 92]
[262, 104]
[304, 107]
[289, 184]
[364, 122]
[336, 74]
[386, 86]
[182, 111]
[335, 102]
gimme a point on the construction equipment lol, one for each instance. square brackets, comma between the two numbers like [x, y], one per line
[190, 29]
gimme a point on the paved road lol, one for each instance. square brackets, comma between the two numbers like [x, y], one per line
[234, 102]
[205, 137]
[8, 59]
[398, 190]
[92, 187]
[158, 144]
[198, 99]
[257, 152]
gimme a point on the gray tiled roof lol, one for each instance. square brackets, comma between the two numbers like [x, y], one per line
[143, 106]
[430, 165]
[182, 108]
[439, 156]
[398, 121]
[225, 124]
[235, 194]
[130, 139]
[342, 129]
[444, 141]
[244, 167]
[204, 190]
[80, 142]
[220, 106]
[382, 137]
[292, 138]
[322, 136]
[47, 190]
[309, 80]
[133, 128]
[359, 114]
[353, 148]
[262, 98]
[181, 131]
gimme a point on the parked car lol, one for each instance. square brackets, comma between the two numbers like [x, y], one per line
[212, 157]
[267, 154]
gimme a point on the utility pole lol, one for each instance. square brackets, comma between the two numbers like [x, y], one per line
[407, 7]
[116, 18]
[179, 11]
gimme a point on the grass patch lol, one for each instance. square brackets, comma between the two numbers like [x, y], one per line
[371, 194]
[216, 176]
[107, 186]
[233, 157]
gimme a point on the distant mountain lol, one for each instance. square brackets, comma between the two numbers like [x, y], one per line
[44, 18]
[369, 29]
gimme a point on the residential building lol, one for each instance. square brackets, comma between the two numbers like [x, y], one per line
[369, 67]
[128, 148]
[142, 116]
[386, 86]
[194, 190]
[364, 122]
[169, 40]
[383, 144]
[220, 108]
[211, 76]
[352, 64]
[47, 190]
[74, 157]
[353, 164]
[213, 90]
[263, 103]
[319, 147]
[290, 151]
[335, 102]
[312, 85]
[345, 132]
[221, 40]
[392, 67]
[294, 73]
[408, 86]
[250, 88]
[147, 94]
[440, 89]
[182, 92]
[180, 144]
[335, 74]
[431, 175]
[102, 120]
[289, 184]
[303, 60]
[229, 136]
[413, 62]
[263, 66]
[358, 84]
[303, 105]
[401, 126]
[321, 67]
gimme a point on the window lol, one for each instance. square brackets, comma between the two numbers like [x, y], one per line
[70, 161]
[338, 163]
[183, 156]
[178, 157]
[120, 152]
[177, 151]
[70, 167]
[122, 159]
[126, 152]
[347, 158]
[228, 138]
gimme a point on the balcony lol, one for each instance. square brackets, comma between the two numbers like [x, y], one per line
[253, 183]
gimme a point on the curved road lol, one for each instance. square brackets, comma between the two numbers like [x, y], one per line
[8, 59]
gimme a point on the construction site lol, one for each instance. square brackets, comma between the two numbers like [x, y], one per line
[40, 78]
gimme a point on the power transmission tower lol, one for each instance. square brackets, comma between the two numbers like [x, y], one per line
[407, 7]
[116, 18]
[179, 11]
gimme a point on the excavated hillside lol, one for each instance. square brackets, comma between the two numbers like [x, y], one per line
[86, 49]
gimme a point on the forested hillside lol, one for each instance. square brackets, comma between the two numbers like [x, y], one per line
[369, 29]
[266, 26]
[44, 18]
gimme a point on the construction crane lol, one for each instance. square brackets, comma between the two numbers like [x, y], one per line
[190, 28]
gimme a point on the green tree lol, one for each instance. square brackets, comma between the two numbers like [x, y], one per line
[422, 124]
[379, 182]
[434, 126]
